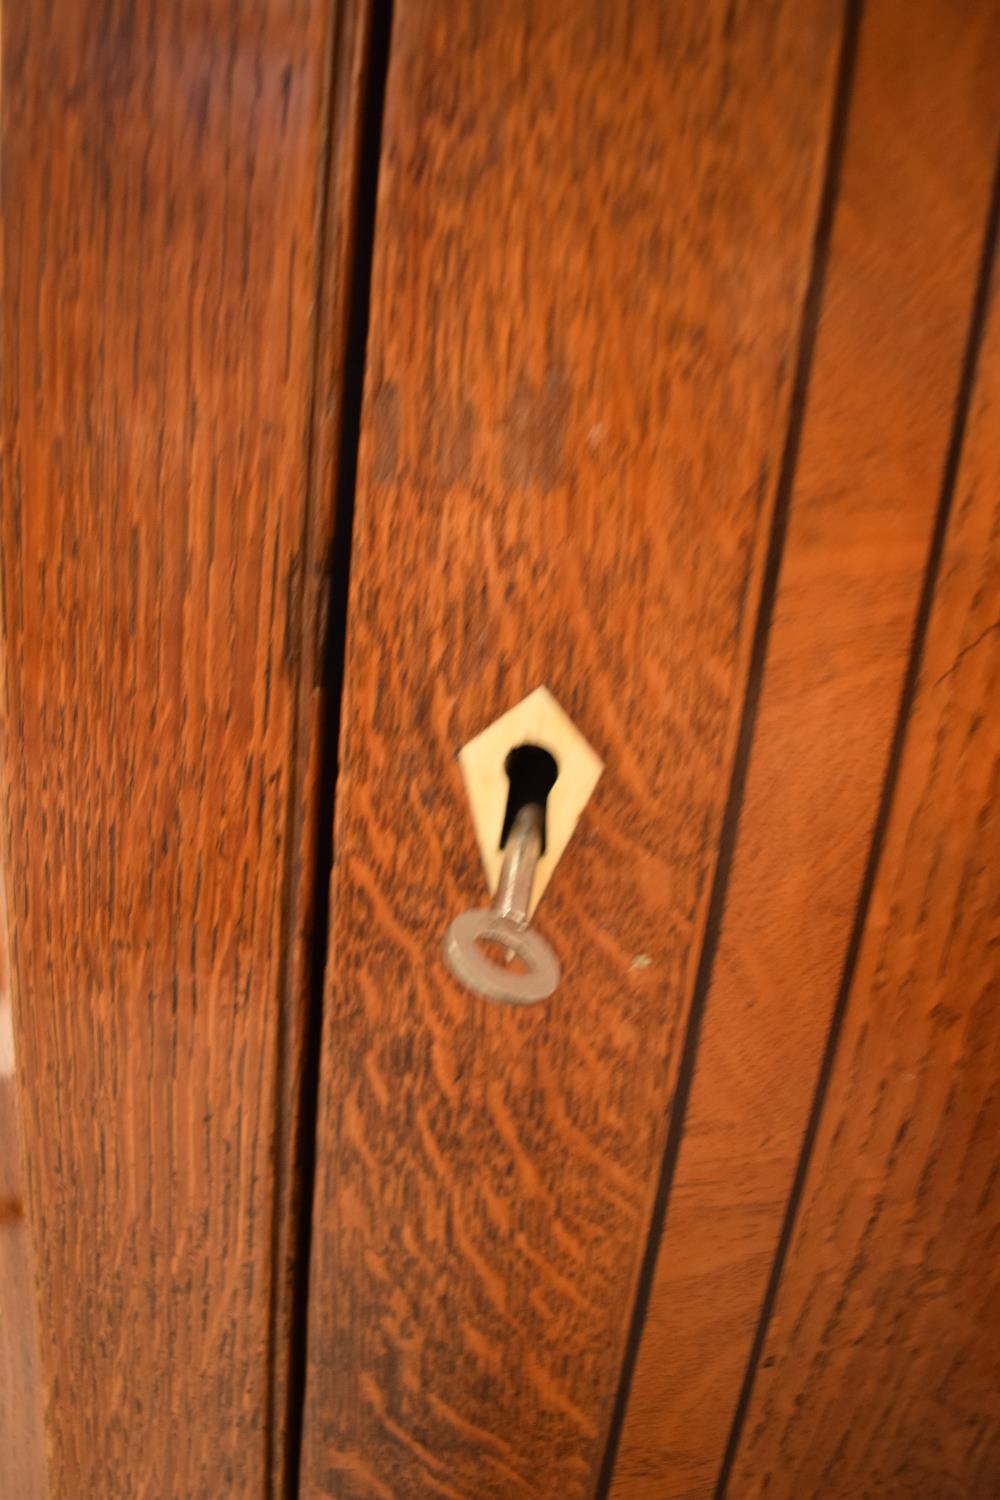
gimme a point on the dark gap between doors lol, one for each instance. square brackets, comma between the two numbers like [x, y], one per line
[332, 667]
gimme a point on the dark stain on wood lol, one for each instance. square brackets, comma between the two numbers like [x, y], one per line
[385, 433]
[536, 431]
[456, 432]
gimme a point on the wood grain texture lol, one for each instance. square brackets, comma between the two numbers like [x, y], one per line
[881, 1370]
[324, 555]
[593, 238]
[22, 1433]
[159, 545]
[899, 286]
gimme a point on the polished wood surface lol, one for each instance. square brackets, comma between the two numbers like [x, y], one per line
[594, 236]
[596, 419]
[22, 1437]
[160, 283]
[897, 297]
[881, 1371]
[322, 565]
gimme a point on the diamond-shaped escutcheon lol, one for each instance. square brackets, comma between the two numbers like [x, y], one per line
[536, 720]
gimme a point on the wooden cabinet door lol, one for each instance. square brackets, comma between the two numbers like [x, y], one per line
[178, 200]
[676, 317]
[366, 368]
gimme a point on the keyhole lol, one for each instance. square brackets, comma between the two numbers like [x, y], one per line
[532, 773]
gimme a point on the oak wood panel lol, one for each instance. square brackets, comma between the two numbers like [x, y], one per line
[593, 238]
[899, 286]
[22, 1441]
[22, 1437]
[165, 163]
[323, 562]
[881, 1369]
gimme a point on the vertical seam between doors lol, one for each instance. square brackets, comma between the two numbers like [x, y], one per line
[310, 853]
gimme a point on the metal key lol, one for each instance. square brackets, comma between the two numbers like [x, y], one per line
[506, 923]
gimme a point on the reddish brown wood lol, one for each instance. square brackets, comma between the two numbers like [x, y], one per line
[594, 236]
[919, 158]
[22, 1438]
[881, 1371]
[324, 548]
[163, 564]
